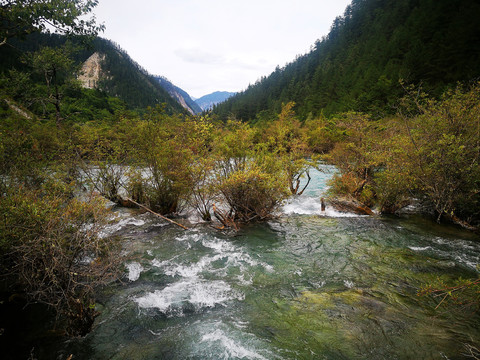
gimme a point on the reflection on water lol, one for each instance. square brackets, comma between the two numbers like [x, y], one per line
[305, 286]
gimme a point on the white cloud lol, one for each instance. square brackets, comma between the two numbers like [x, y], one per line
[208, 45]
[198, 56]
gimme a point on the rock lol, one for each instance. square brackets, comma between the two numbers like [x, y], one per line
[91, 71]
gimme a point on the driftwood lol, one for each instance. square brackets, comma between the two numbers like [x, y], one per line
[226, 220]
[462, 223]
[350, 205]
[156, 214]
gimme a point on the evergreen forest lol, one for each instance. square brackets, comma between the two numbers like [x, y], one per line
[390, 97]
[358, 66]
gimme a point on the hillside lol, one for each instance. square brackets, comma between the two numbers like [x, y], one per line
[110, 68]
[126, 79]
[180, 95]
[207, 102]
[358, 65]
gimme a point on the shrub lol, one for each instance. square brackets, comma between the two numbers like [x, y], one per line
[252, 194]
[51, 249]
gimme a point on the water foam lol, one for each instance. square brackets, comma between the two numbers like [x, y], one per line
[200, 284]
[307, 205]
[224, 252]
[420, 248]
[111, 229]
[171, 268]
[231, 349]
[179, 297]
[461, 251]
[134, 271]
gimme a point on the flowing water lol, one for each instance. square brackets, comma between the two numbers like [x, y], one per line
[307, 285]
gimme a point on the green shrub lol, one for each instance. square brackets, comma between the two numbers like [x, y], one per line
[51, 250]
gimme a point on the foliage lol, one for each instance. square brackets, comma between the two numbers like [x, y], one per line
[357, 66]
[166, 180]
[445, 155]
[249, 179]
[57, 68]
[103, 157]
[123, 82]
[285, 139]
[22, 17]
[43, 84]
[50, 246]
[202, 165]
[429, 151]
[19, 152]
[322, 134]
[353, 156]
[252, 194]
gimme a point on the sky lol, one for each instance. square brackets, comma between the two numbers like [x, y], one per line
[204, 46]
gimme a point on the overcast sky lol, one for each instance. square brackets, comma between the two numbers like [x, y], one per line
[204, 46]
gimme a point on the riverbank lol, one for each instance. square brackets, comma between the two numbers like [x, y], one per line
[301, 285]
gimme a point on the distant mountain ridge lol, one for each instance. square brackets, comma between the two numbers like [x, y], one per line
[181, 96]
[207, 102]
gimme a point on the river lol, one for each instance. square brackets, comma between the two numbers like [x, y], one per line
[307, 285]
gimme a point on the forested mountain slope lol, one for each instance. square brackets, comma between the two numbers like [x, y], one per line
[182, 97]
[120, 76]
[129, 81]
[358, 65]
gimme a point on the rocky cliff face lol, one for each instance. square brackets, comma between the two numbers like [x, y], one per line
[181, 96]
[91, 71]
[182, 101]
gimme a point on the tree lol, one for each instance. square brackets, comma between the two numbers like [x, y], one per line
[22, 17]
[430, 152]
[287, 141]
[434, 42]
[444, 139]
[354, 156]
[50, 247]
[249, 179]
[57, 68]
[162, 179]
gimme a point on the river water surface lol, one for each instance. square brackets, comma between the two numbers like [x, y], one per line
[307, 285]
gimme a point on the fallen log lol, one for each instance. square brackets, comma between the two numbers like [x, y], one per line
[453, 218]
[350, 205]
[156, 214]
[226, 219]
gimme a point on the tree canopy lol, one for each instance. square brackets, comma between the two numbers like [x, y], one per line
[358, 65]
[22, 17]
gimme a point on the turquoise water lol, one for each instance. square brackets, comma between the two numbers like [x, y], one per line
[307, 285]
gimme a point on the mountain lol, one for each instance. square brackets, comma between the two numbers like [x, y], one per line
[106, 67]
[207, 102]
[359, 64]
[180, 95]
[120, 76]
